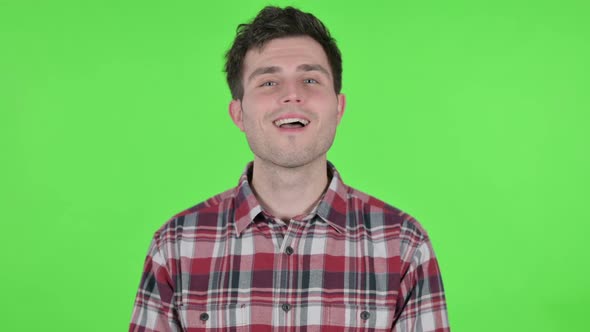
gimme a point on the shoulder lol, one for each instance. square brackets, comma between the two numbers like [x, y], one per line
[388, 223]
[376, 212]
[205, 213]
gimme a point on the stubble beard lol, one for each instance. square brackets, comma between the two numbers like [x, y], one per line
[291, 155]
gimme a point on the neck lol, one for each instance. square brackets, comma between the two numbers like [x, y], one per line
[289, 192]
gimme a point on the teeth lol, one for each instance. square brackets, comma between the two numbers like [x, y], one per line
[280, 122]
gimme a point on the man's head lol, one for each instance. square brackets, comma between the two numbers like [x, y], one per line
[286, 100]
[272, 23]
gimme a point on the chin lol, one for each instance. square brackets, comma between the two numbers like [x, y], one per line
[290, 163]
[299, 157]
[292, 160]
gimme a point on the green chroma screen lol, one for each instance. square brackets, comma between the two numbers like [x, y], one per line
[470, 115]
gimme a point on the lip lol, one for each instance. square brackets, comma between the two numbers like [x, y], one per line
[290, 130]
[291, 115]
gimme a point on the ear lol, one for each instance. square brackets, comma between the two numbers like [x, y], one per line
[235, 112]
[341, 106]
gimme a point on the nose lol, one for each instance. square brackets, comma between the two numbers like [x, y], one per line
[292, 95]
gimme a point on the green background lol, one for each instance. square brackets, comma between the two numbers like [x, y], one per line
[470, 115]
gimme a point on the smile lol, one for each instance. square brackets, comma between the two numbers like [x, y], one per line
[291, 123]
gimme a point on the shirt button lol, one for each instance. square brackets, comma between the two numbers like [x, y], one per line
[365, 315]
[286, 307]
[289, 250]
[204, 316]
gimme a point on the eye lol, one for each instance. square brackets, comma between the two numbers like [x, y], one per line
[269, 83]
[310, 81]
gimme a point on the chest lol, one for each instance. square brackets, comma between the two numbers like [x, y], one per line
[305, 264]
[294, 277]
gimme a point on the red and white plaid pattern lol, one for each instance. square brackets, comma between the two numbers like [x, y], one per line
[353, 264]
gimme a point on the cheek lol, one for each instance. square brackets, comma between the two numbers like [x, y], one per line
[324, 96]
[328, 105]
[257, 101]
[256, 108]
[252, 116]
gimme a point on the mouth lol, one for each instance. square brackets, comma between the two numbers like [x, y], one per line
[291, 123]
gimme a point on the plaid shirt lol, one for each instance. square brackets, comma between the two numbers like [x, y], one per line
[353, 264]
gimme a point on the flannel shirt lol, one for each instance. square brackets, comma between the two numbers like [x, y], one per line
[353, 264]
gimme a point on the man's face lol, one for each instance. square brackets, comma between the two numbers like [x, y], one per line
[289, 111]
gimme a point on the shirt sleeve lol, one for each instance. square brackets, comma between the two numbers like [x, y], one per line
[154, 309]
[421, 305]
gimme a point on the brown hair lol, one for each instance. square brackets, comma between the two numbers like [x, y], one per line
[275, 22]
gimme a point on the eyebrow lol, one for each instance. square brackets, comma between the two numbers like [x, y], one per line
[275, 69]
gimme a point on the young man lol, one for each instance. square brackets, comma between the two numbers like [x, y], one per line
[291, 248]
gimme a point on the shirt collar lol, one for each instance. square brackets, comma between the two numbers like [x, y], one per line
[332, 207]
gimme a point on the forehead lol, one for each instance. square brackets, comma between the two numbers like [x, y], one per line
[286, 52]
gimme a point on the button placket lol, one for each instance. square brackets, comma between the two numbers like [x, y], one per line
[287, 250]
[277, 232]
[289, 238]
